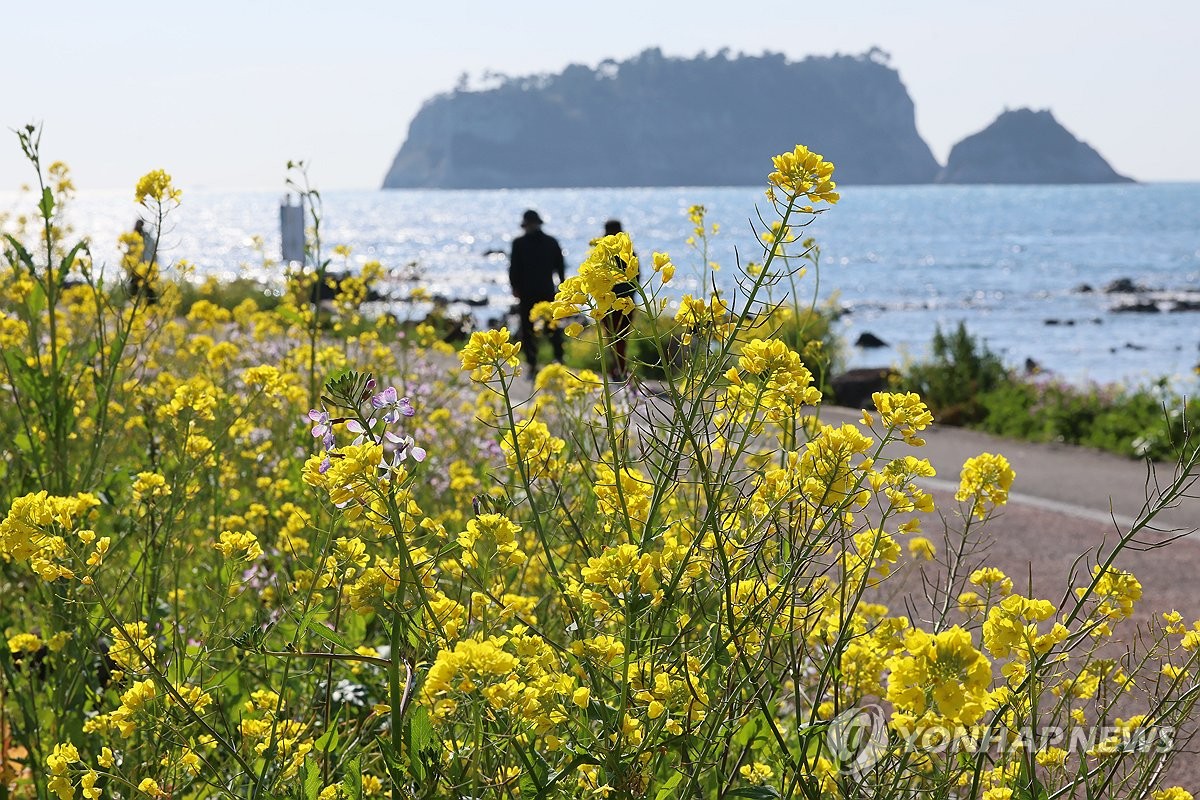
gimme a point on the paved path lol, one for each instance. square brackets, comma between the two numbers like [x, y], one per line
[1076, 481]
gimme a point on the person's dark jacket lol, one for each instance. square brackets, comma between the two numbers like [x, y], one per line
[536, 259]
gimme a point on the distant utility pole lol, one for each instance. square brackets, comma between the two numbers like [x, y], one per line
[291, 228]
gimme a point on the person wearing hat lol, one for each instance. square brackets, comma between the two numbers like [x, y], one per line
[536, 259]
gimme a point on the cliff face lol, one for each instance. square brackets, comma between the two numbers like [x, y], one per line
[1025, 146]
[658, 121]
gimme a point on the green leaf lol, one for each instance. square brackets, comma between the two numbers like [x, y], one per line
[37, 300]
[748, 732]
[289, 316]
[420, 730]
[329, 739]
[393, 764]
[23, 255]
[312, 780]
[69, 261]
[47, 204]
[720, 651]
[755, 792]
[668, 789]
[353, 780]
[419, 739]
[331, 636]
[569, 770]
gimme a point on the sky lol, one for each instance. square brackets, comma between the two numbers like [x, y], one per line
[222, 94]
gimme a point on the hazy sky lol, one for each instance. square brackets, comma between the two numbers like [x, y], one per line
[221, 94]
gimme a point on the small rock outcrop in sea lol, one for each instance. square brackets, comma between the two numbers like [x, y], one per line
[654, 120]
[1124, 286]
[869, 340]
[1025, 147]
[1152, 301]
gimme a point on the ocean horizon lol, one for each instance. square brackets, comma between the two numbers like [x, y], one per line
[1010, 262]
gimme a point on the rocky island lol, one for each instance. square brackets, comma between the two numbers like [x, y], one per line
[1026, 147]
[654, 120]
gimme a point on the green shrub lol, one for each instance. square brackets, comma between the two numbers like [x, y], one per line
[966, 384]
[952, 383]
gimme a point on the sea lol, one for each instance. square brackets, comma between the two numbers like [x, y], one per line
[1023, 267]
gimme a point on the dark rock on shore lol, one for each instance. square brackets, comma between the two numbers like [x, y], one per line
[855, 387]
[1026, 147]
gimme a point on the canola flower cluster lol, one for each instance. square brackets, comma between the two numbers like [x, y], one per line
[299, 552]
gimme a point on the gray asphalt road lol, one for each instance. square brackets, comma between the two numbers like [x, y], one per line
[1074, 481]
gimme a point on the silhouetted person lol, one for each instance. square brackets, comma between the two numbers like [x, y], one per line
[536, 260]
[618, 325]
[141, 274]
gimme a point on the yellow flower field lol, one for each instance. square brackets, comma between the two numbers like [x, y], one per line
[304, 553]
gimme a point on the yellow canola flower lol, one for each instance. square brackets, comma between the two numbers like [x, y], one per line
[1117, 591]
[470, 663]
[240, 545]
[24, 643]
[350, 474]
[156, 185]
[939, 678]
[756, 773]
[534, 448]
[150, 787]
[992, 577]
[610, 262]
[1011, 628]
[136, 698]
[267, 378]
[904, 412]
[664, 267]
[87, 785]
[487, 352]
[555, 380]
[786, 383]
[1172, 793]
[804, 173]
[499, 533]
[627, 497]
[985, 481]
[921, 548]
[131, 646]
[150, 484]
[59, 762]
[696, 313]
[27, 529]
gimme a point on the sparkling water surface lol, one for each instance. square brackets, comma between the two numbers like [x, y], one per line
[901, 260]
